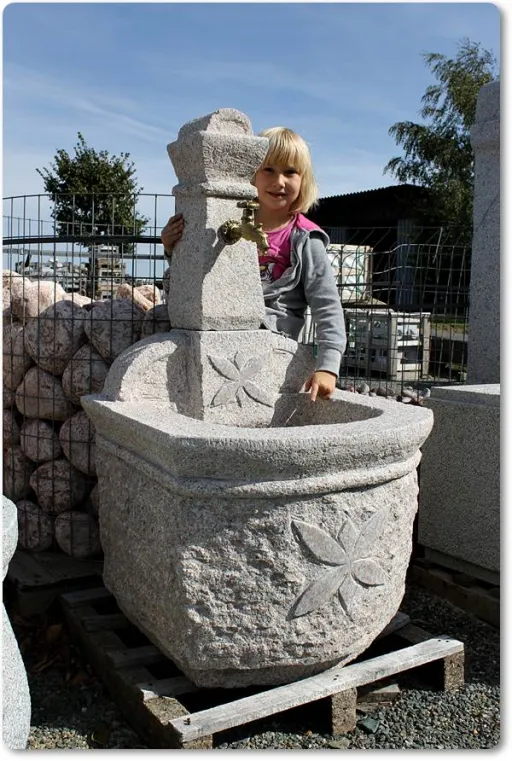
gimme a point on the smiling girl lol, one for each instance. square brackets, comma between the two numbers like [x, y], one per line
[295, 271]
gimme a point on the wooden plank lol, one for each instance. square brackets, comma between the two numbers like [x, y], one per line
[83, 596]
[166, 688]
[100, 642]
[135, 656]
[63, 567]
[149, 718]
[26, 571]
[105, 621]
[337, 679]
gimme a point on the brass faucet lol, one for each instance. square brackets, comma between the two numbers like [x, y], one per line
[231, 231]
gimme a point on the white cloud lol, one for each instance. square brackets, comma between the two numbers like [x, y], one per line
[28, 88]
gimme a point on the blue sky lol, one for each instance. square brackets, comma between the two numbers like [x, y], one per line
[128, 75]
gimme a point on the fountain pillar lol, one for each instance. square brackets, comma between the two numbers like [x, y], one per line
[254, 536]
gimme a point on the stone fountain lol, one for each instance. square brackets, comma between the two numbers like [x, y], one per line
[254, 536]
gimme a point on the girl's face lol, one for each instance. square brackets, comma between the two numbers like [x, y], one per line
[278, 186]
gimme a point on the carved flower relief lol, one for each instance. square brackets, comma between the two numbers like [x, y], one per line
[350, 562]
[239, 376]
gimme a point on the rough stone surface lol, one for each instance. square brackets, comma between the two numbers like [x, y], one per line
[484, 302]
[77, 534]
[127, 291]
[40, 395]
[58, 485]
[16, 708]
[39, 440]
[232, 377]
[17, 470]
[156, 320]
[55, 336]
[11, 429]
[79, 299]
[255, 536]
[165, 282]
[94, 501]
[11, 283]
[151, 292]
[214, 159]
[32, 298]
[255, 530]
[459, 511]
[16, 361]
[35, 527]
[77, 440]
[85, 373]
[113, 326]
[8, 397]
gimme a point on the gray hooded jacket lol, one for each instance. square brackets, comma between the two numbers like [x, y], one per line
[308, 281]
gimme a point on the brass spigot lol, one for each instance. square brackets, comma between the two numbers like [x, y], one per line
[231, 231]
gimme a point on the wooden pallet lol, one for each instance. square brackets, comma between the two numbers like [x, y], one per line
[38, 578]
[155, 696]
[473, 595]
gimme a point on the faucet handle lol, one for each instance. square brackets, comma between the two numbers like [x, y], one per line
[249, 210]
[248, 204]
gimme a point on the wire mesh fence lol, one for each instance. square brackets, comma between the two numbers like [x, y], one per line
[78, 292]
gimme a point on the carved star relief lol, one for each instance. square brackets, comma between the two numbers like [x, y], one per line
[239, 376]
[351, 560]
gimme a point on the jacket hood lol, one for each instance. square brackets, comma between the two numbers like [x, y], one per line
[303, 223]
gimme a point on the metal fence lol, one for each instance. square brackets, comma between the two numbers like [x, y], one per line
[75, 295]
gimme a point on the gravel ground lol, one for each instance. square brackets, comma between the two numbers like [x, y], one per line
[71, 708]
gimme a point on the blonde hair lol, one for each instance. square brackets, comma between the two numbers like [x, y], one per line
[289, 149]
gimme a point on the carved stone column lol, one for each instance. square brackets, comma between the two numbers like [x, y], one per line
[214, 286]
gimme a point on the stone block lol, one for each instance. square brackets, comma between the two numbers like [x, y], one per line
[16, 361]
[76, 437]
[29, 299]
[11, 429]
[85, 373]
[212, 285]
[58, 485]
[77, 534]
[459, 513]
[52, 338]
[35, 527]
[156, 320]
[236, 540]
[39, 440]
[484, 303]
[16, 707]
[229, 377]
[17, 471]
[112, 326]
[40, 395]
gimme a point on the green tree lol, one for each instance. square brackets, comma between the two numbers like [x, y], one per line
[93, 194]
[438, 153]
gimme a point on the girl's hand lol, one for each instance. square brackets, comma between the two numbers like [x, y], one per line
[172, 232]
[322, 384]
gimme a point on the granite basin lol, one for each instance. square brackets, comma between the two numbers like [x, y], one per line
[258, 555]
